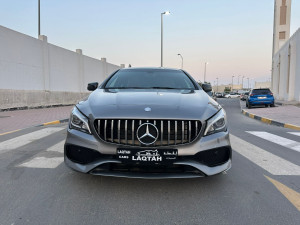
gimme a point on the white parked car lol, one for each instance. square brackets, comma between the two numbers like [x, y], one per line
[232, 95]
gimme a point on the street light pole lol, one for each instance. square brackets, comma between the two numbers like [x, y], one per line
[248, 83]
[181, 60]
[161, 37]
[239, 79]
[243, 82]
[217, 84]
[39, 18]
[205, 70]
[232, 83]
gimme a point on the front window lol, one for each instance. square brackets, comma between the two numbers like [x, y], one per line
[150, 79]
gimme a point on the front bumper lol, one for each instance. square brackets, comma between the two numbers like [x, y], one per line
[206, 156]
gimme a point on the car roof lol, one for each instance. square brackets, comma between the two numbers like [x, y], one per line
[150, 68]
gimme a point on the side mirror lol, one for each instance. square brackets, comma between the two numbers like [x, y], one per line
[92, 86]
[207, 87]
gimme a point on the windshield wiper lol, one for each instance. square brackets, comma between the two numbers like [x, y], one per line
[147, 88]
[125, 88]
[170, 88]
[162, 88]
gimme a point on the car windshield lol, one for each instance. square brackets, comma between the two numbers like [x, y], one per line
[150, 79]
[261, 92]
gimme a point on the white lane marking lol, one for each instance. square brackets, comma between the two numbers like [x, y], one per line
[294, 145]
[295, 133]
[28, 138]
[40, 161]
[266, 160]
[43, 162]
[59, 147]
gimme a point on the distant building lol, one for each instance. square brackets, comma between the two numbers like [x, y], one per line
[221, 88]
[262, 85]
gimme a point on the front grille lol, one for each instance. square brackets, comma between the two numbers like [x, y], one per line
[154, 169]
[170, 132]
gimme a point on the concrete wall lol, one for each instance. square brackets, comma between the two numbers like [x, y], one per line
[286, 70]
[34, 72]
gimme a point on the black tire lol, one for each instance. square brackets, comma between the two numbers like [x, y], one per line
[266, 106]
[272, 105]
[249, 106]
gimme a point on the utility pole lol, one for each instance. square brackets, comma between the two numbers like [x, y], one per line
[181, 60]
[248, 83]
[205, 71]
[39, 18]
[243, 82]
[161, 37]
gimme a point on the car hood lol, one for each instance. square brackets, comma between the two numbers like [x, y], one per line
[164, 104]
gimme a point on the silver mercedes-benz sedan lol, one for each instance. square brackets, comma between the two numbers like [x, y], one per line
[148, 123]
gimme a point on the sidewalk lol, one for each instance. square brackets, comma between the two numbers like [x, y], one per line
[20, 119]
[286, 115]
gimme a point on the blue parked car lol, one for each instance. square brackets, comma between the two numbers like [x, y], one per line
[260, 97]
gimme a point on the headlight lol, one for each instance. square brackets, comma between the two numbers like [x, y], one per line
[217, 123]
[79, 122]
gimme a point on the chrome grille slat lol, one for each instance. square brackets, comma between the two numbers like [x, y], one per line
[98, 126]
[154, 122]
[140, 123]
[168, 132]
[175, 142]
[105, 126]
[171, 132]
[132, 130]
[182, 132]
[119, 124]
[161, 132]
[126, 138]
[190, 131]
[112, 131]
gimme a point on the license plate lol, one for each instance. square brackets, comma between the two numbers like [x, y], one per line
[147, 156]
[262, 97]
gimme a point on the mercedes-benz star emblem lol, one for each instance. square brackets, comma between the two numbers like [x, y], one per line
[147, 109]
[147, 133]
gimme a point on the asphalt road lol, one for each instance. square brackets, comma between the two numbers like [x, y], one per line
[262, 186]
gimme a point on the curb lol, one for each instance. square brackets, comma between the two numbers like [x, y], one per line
[52, 122]
[34, 107]
[270, 121]
[40, 125]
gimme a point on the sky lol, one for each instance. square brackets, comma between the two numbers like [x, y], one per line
[233, 36]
